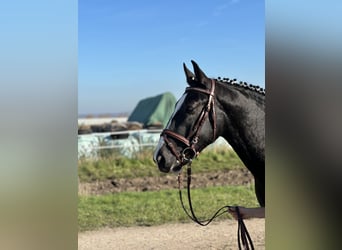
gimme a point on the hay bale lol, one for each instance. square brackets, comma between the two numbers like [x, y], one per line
[98, 128]
[118, 127]
[84, 129]
[156, 125]
[134, 125]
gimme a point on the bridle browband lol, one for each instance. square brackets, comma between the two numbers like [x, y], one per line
[190, 152]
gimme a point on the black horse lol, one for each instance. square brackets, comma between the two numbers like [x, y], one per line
[210, 108]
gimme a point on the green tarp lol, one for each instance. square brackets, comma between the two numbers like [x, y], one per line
[154, 111]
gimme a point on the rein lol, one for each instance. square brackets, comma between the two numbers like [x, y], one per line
[242, 234]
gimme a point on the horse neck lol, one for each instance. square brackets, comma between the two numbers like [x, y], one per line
[241, 121]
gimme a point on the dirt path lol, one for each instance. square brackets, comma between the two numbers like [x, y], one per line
[218, 235]
[231, 177]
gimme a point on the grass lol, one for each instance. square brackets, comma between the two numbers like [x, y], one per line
[141, 165]
[159, 207]
[155, 207]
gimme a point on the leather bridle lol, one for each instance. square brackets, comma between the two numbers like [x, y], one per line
[190, 152]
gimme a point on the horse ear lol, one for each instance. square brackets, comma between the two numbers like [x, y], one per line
[190, 77]
[199, 74]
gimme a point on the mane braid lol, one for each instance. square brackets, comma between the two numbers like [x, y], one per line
[245, 85]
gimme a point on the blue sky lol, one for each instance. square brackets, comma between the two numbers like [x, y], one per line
[129, 49]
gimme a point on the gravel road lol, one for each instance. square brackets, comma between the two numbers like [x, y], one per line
[217, 235]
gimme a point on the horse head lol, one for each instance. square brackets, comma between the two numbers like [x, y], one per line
[192, 125]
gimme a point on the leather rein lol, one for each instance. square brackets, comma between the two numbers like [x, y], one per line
[190, 152]
[243, 236]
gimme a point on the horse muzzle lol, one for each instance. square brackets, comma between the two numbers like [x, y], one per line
[167, 162]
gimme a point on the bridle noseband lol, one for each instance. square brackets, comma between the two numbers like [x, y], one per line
[190, 152]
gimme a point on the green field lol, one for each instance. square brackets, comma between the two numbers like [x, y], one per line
[155, 207]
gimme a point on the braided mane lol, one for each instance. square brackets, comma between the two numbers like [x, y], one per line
[245, 85]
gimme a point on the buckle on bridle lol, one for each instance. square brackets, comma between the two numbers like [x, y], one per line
[194, 140]
[188, 154]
